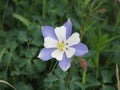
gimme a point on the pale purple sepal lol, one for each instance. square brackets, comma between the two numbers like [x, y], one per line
[45, 54]
[65, 63]
[48, 31]
[81, 49]
[68, 26]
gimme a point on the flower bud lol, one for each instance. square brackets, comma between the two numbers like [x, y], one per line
[83, 63]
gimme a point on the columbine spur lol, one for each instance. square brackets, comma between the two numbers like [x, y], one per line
[61, 45]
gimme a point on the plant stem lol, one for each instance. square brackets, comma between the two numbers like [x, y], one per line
[117, 77]
[8, 63]
[2, 53]
[4, 14]
[7, 83]
[44, 8]
[97, 65]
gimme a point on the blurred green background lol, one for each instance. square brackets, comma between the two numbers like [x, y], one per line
[97, 21]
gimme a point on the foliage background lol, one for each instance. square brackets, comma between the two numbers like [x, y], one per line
[98, 22]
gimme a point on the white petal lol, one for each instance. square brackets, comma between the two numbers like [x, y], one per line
[73, 39]
[58, 54]
[61, 33]
[69, 52]
[50, 43]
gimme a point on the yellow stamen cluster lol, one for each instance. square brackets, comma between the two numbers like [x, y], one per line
[61, 46]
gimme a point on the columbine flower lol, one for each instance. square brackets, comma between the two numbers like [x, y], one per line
[61, 45]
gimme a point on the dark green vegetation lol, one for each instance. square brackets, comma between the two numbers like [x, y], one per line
[21, 40]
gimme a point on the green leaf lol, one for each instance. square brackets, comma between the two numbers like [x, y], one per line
[87, 2]
[37, 38]
[22, 19]
[107, 76]
[92, 81]
[23, 86]
[79, 84]
[58, 72]
[31, 52]
[13, 45]
[29, 68]
[16, 72]
[39, 65]
[22, 36]
[2, 33]
[76, 23]
[51, 78]
[62, 85]
[106, 87]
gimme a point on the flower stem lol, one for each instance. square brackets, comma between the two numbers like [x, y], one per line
[83, 74]
[84, 78]
[53, 67]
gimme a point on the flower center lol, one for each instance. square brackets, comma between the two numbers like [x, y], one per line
[61, 45]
